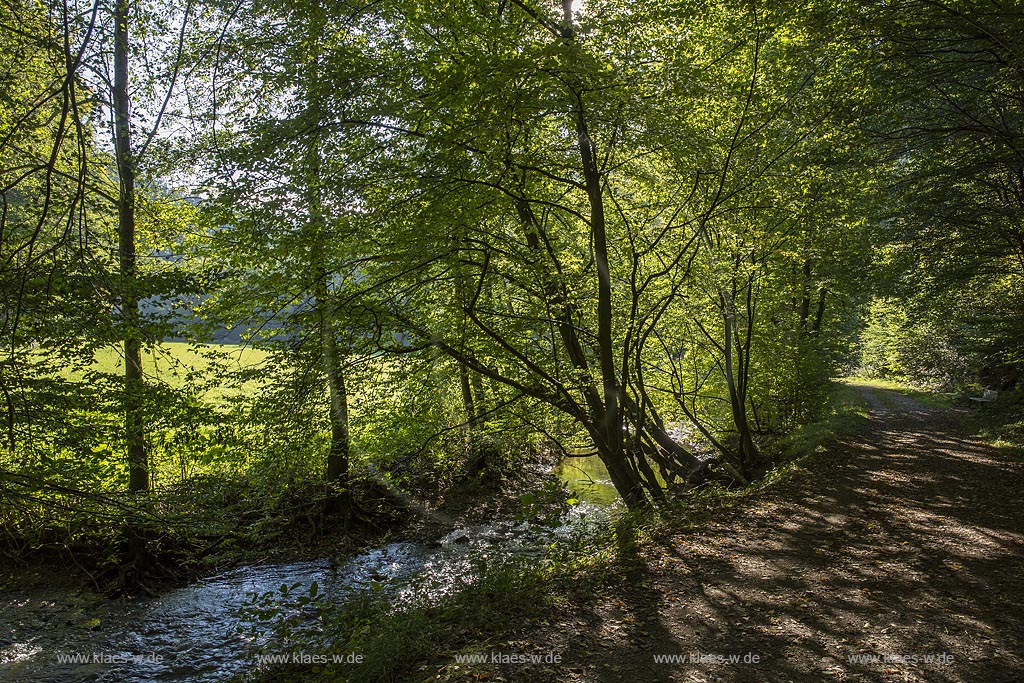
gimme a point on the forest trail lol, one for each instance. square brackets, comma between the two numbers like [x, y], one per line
[903, 543]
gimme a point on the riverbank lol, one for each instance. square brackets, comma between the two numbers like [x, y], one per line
[493, 587]
[217, 626]
[212, 525]
[887, 550]
[893, 555]
[516, 603]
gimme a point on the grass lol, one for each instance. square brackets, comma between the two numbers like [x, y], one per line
[419, 639]
[846, 415]
[175, 363]
[1000, 423]
[168, 360]
[415, 641]
[928, 398]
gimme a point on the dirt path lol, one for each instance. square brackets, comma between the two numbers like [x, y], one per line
[906, 542]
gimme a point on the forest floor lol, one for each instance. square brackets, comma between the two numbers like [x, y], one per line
[896, 555]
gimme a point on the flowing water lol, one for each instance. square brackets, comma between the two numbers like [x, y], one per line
[193, 633]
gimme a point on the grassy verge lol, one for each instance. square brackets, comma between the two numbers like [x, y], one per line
[424, 636]
[1000, 423]
[928, 398]
[846, 415]
[431, 639]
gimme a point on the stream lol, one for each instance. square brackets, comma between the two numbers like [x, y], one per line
[196, 633]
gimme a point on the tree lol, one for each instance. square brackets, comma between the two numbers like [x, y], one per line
[548, 200]
[283, 246]
[948, 84]
[126, 162]
[610, 182]
[51, 221]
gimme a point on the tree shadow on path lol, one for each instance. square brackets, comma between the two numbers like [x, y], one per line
[895, 556]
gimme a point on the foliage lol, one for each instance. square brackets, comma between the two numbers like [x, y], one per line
[950, 125]
[455, 235]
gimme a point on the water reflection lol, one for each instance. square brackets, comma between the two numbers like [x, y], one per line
[588, 479]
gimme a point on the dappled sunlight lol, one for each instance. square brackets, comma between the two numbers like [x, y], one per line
[369, 342]
[885, 554]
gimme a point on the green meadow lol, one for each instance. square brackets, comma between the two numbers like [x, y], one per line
[175, 364]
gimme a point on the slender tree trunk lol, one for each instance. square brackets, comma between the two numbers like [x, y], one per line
[747, 450]
[604, 426]
[607, 419]
[134, 390]
[560, 306]
[338, 454]
[469, 401]
[477, 449]
[811, 325]
[480, 403]
[331, 354]
[805, 299]
[612, 418]
[467, 398]
[819, 311]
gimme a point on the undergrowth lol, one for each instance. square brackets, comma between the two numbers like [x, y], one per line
[420, 640]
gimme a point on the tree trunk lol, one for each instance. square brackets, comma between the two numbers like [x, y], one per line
[468, 404]
[134, 418]
[819, 311]
[625, 479]
[480, 403]
[805, 298]
[608, 420]
[746, 449]
[605, 430]
[338, 453]
[476, 450]
[331, 358]
[331, 355]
